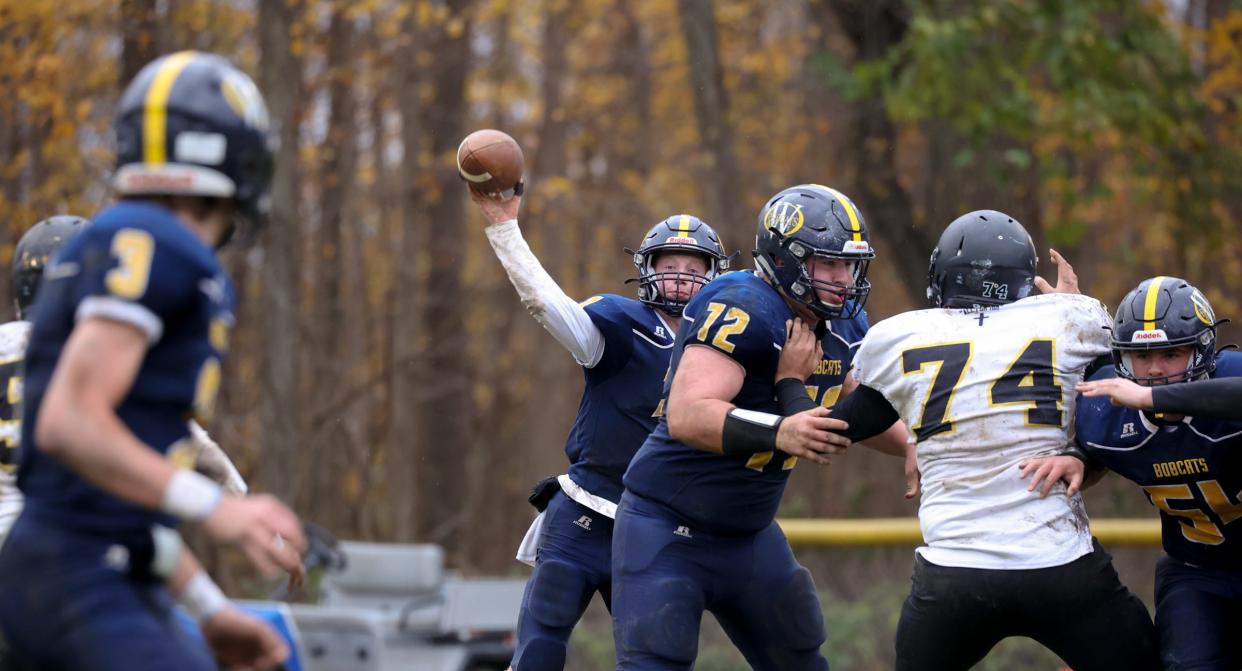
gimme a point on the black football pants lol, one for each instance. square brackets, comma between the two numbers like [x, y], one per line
[1079, 610]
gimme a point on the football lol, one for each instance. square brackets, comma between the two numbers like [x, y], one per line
[491, 162]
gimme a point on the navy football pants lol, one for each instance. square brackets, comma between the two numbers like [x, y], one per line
[63, 607]
[665, 575]
[573, 564]
[1198, 616]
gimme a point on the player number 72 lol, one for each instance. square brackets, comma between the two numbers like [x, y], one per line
[735, 321]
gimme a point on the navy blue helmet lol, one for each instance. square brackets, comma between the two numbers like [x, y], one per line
[808, 221]
[983, 258]
[684, 233]
[1164, 313]
[192, 124]
[33, 251]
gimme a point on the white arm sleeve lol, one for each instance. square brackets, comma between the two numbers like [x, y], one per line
[543, 297]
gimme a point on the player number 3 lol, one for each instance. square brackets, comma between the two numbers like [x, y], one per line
[133, 249]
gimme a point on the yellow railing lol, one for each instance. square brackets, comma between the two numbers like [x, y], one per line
[905, 531]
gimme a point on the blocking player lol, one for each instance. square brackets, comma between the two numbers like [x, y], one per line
[623, 347]
[1219, 398]
[695, 529]
[985, 382]
[127, 339]
[1164, 340]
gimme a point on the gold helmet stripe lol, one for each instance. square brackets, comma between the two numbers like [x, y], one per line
[1149, 305]
[850, 212]
[155, 106]
[683, 226]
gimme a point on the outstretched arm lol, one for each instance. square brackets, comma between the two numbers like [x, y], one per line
[542, 296]
[1219, 397]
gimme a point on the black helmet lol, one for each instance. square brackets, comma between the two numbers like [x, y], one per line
[812, 220]
[983, 258]
[683, 233]
[34, 249]
[192, 124]
[1163, 313]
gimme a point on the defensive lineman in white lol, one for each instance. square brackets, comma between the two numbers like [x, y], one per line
[985, 390]
[29, 259]
[985, 381]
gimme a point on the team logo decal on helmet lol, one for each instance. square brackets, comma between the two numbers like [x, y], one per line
[1203, 309]
[784, 218]
[243, 96]
[1165, 313]
[808, 221]
[680, 233]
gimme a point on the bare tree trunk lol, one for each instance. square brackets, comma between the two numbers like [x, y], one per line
[874, 28]
[548, 217]
[503, 66]
[139, 23]
[329, 441]
[550, 214]
[405, 302]
[445, 404]
[280, 430]
[634, 65]
[551, 156]
[489, 469]
[711, 110]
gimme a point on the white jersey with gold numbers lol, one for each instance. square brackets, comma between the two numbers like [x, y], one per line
[983, 391]
[13, 339]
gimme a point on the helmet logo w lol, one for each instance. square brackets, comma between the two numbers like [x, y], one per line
[784, 218]
[1203, 309]
[244, 98]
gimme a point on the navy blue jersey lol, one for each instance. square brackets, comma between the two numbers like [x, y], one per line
[621, 399]
[741, 316]
[1191, 470]
[137, 264]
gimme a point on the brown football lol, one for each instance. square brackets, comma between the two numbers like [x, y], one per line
[490, 161]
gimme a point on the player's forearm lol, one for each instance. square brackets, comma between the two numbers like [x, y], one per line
[1219, 397]
[543, 297]
[196, 591]
[187, 566]
[894, 441]
[699, 423]
[869, 415]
